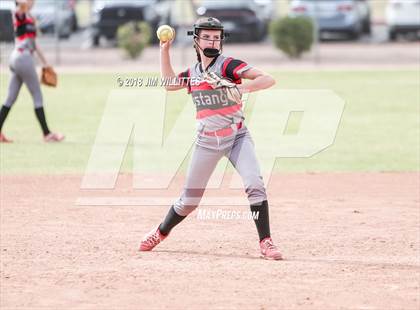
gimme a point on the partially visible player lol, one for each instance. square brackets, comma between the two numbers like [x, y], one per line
[22, 66]
[221, 130]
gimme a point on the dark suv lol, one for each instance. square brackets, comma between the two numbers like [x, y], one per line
[244, 20]
[7, 33]
[110, 14]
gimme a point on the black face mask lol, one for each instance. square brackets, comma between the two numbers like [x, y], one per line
[211, 52]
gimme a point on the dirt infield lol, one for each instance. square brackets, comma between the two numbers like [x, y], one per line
[351, 241]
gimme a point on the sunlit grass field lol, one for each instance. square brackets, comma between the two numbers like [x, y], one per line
[379, 130]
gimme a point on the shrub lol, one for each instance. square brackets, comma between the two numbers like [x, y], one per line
[293, 35]
[133, 37]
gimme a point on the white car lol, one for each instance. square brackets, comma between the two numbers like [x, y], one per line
[402, 16]
[49, 13]
[335, 16]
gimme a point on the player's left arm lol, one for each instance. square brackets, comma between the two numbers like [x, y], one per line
[256, 80]
[41, 55]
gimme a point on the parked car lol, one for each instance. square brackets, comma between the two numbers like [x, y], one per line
[268, 8]
[402, 16]
[110, 14]
[74, 20]
[6, 21]
[52, 13]
[351, 17]
[244, 20]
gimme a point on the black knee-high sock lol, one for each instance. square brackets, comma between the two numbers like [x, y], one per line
[171, 220]
[263, 222]
[42, 121]
[3, 115]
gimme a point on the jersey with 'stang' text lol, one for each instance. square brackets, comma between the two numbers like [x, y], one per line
[25, 31]
[214, 110]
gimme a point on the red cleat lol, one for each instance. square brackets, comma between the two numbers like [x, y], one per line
[54, 137]
[269, 250]
[151, 240]
[3, 139]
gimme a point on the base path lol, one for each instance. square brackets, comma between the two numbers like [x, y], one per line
[351, 241]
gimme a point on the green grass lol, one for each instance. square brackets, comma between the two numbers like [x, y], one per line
[379, 130]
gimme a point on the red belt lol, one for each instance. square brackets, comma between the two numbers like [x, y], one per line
[22, 50]
[224, 131]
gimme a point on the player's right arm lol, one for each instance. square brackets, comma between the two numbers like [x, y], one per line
[166, 70]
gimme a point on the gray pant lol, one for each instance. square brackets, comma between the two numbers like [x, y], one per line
[239, 148]
[23, 71]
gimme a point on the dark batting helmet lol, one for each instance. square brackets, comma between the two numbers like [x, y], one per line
[208, 23]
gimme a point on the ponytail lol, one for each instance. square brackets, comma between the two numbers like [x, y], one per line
[198, 53]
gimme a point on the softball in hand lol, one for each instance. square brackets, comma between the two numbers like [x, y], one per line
[165, 33]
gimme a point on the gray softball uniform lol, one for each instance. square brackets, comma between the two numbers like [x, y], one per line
[22, 63]
[221, 132]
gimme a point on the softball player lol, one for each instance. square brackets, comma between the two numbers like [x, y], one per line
[22, 66]
[221, 131]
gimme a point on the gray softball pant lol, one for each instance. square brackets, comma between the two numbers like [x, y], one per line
[23, 70]
[239, 149]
